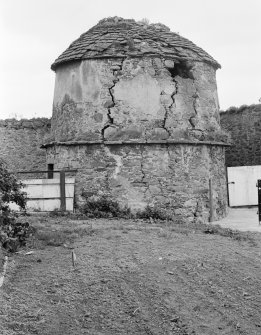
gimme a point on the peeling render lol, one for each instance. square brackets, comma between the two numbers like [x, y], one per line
[125, 99]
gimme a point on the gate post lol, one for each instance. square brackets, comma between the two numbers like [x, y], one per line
[62, 191]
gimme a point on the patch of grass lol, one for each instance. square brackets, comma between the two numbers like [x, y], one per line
[62, 236]
[57, 212]
[226, 232]
[52, 238]
[211, 229]
[164, 233]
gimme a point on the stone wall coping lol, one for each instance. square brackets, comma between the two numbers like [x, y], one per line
[74, 143]
[241, 109]
[25, 123]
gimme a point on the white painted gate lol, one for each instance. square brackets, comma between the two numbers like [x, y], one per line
[242, 185]
[45, 194]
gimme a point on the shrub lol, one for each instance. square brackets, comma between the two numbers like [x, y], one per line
[153, 213]
[103, 207]
[12, 233]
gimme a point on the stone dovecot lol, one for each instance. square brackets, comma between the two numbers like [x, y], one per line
[136, 111]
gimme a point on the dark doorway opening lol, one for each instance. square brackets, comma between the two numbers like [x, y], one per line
[50, 171]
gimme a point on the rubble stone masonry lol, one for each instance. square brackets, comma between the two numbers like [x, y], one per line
[20, 143]
[143, 132]
[172, 177]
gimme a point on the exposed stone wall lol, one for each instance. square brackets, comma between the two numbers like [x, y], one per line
[124, 99]
[244, 125]
[20, 143]
[173, 177]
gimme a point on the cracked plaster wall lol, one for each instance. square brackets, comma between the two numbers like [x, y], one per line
[124, 99]
[141, 100]
[173, 177]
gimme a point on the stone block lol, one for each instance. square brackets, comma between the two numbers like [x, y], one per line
[158, 134]
[169, 63]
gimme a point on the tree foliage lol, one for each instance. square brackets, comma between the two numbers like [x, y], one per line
[10, 189]
[12, 233]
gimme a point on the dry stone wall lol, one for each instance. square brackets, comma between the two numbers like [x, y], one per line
[244, 126]
[172, 177]
[20, 143]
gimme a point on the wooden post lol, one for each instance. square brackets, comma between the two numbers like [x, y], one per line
[228, 200]
[62, 191]
[211, 209]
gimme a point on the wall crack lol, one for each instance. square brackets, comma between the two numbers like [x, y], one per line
[142, 170]
[110, 105]
[168, 108]
[192, 119]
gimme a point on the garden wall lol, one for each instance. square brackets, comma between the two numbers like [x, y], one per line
[20, 142]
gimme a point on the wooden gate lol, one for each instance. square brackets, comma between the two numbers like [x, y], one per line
[56, 192]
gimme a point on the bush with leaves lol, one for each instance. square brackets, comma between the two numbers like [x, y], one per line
[103, 207]
[12, 233]
[153, 213]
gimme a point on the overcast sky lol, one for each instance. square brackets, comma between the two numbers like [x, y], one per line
[35, 32]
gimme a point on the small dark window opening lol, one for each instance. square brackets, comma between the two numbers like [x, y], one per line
[183, 70]
[50, 171]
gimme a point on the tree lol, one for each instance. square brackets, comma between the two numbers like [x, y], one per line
[10, 189]
[12, 233]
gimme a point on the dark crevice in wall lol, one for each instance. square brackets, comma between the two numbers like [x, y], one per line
[103, 130]
[168, 151]
[192, 119]
[165, 119]
[141, 165]
[185, 70]
[195, 213]
[168, 109]
[143, 181]
[115, 73]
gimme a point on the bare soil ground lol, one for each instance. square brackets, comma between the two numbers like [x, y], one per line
[133, 277]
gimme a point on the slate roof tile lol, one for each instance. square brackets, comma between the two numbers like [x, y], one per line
[118, 37]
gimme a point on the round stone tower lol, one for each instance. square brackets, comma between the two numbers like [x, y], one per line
[136, 112]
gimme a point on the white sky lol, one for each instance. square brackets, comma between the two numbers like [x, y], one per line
[33, 33]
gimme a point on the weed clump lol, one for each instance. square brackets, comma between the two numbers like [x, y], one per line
[226, 232]
[154, 213]
[103, 207]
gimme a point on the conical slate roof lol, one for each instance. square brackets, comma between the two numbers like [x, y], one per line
[117, 37]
